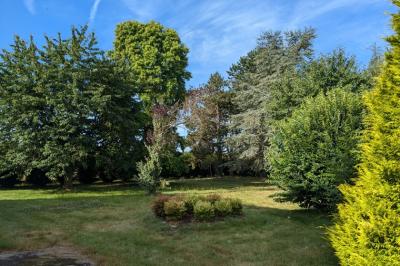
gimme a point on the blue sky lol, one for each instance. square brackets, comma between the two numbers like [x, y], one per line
[217, 32]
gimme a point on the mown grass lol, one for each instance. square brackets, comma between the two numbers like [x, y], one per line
[114, 225]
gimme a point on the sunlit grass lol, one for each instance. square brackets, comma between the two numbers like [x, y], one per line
[114, 225]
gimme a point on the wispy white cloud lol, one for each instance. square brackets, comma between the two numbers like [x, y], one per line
[219, 32]
[30, 6]
[93, 11]
[308, 10]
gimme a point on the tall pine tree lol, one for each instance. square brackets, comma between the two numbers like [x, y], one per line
[253, 79]
[367, 229]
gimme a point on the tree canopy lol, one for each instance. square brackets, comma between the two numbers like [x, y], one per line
[63, 104]
[156, 58]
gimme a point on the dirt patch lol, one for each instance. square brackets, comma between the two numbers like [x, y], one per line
[55, 256]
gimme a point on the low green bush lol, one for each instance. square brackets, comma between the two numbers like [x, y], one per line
[201, 208]
[203, 211]
[175, 209]
[190, 201]
[158, 205]
[223, 207]
[237, 206]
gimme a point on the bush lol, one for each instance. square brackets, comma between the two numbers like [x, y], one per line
[203, 211]
[192, 206]
[37, 177]
[212, 198]
[237, 206]
[311, 153]
[190, 201]
[158, 205]
[223, 207]
[150, 170]
[175, 209]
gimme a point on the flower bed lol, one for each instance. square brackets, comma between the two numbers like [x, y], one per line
[196, 208]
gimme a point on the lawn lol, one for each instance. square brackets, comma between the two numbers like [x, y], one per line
[114, 225]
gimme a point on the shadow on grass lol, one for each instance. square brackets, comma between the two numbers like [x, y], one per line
[217, 183]
[98, 186]
[126, 187]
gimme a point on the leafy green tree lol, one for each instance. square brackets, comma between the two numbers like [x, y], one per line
[311, 152]
[312, 77]
[157, 60]
[367, 229]
[252, 80]
[63, 104]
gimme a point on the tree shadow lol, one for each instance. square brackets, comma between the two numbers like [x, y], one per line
[217, 183]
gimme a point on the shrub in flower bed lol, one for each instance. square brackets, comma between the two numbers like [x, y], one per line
[204, 211]
[175, 209]
[158, 205]
[213, 198]
[199, 208]
[223, 207]
[190, 201]
[237, 206]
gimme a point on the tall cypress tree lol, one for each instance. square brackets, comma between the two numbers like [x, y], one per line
[367, 230]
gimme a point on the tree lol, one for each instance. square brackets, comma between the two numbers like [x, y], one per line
[367, 228]
[64, 104]
[207, 116]
[157, 60]
[159, 140]
[311, 152]
[252, 80]
[310, 78]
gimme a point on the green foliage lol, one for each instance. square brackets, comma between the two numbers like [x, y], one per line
[203, 211]
[236, 205]
[223, 207]
[251, 81]
[190, 202]
[158, 205]
[157, 60]
[201, 208]
[367, 229]
[175, 209]
[69, 103]
[174, 164]
[311, 152]
[320, 75]
[150, 170]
